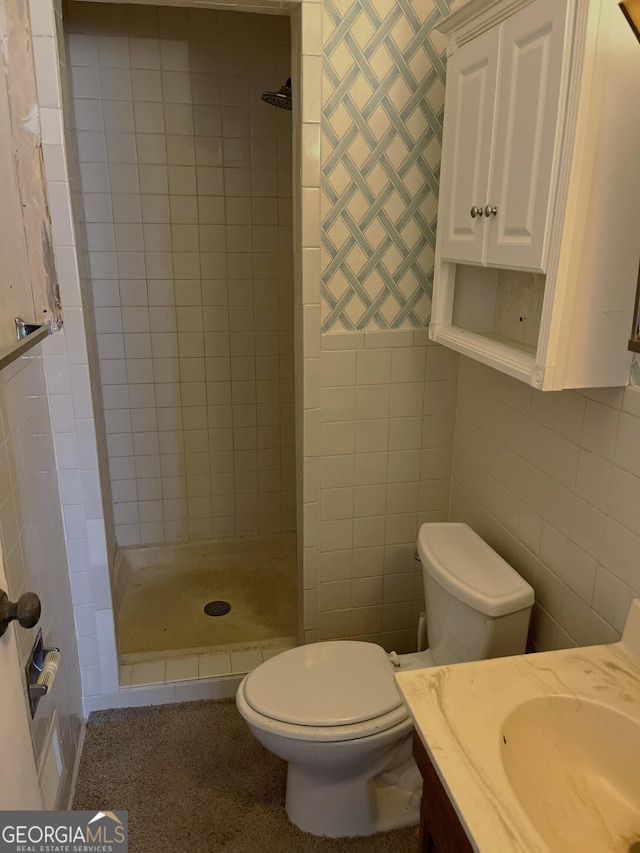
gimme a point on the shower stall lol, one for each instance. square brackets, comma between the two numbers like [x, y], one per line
[186, 202]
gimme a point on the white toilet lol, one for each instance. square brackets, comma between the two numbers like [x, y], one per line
[332, 711]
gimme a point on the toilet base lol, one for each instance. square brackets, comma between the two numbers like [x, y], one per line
[396, 809]
[328, 805]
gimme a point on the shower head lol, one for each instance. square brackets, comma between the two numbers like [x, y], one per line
[281, 98]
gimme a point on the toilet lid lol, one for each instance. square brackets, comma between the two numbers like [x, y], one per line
[324, 684]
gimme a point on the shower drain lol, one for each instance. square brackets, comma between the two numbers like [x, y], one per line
[217, 608]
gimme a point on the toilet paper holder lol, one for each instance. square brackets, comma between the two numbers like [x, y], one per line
[41, 671]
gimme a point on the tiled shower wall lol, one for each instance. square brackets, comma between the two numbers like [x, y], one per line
[186, 183]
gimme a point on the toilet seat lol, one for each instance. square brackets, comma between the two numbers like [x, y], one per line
[397, 720]
[329, 691]
[334, 683]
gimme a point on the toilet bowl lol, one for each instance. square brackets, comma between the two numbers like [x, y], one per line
[332, 711]
[350, 726]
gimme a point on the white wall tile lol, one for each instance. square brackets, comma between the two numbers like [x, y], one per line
[588, 540]
[338, 368]
[600, 429]
[373, 366]
[160, 132]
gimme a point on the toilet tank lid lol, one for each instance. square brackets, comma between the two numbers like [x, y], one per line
[465, 566]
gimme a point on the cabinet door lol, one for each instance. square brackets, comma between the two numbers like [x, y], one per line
[466, 147]
[532, 79]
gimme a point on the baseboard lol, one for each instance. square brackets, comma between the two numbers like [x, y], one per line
[51, 766]
[67, 805]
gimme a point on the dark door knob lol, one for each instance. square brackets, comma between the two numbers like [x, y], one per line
[26, 610]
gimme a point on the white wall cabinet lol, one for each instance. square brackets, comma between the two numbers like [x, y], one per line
[470, 110]
[502, 123]
[539, 214]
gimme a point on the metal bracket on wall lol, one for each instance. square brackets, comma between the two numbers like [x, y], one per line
[24, 329]
[28, 335]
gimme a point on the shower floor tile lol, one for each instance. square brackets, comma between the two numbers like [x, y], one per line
[162, 617]
[148, 673]
[220, 665]
[181, 669]
[213, 666]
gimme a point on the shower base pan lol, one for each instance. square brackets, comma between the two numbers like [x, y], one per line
[164, 589]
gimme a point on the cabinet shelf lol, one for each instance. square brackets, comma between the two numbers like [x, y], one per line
[518, 346]
[511, 357]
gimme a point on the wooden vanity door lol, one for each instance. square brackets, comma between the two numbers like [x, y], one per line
[440, 827]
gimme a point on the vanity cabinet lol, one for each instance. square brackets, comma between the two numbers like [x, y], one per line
[440, 827]
[537, 241]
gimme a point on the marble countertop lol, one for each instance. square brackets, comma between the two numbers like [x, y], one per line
[458, 712]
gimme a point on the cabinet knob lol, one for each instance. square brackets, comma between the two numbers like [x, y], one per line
[476, 211]
[490, 211]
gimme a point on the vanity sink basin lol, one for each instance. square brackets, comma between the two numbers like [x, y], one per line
[539, 752]
[574, 767]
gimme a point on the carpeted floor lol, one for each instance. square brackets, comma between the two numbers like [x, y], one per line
[194, 780]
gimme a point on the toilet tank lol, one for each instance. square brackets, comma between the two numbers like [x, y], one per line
[477, 605]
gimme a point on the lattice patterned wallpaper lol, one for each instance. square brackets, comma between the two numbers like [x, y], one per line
[383, 96]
